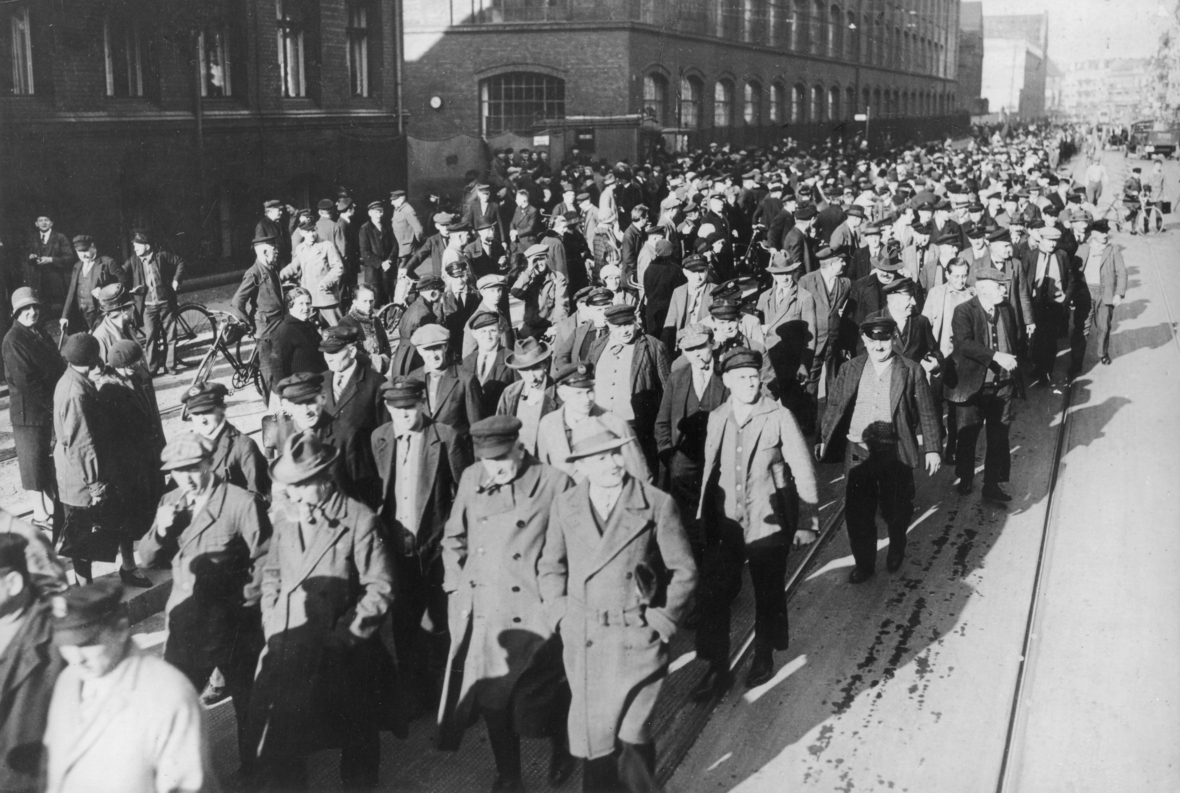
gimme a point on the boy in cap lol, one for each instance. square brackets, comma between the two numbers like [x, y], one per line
[453, 397]
[419, 462]
[324, 679]
[120, 719]
[745, 511]
[615, 575]
[235, 456]
[880, 397]
[487, 363]
[92, 272]
[153, 278]
[511, 669]
[212, 614]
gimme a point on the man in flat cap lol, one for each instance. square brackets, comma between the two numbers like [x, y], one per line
[525, 227]
[487, 363]
[493, 293]
[121, 719]
[501, 638]
[378, 254]
[689, 304]
[913, 335]
[325, 680]
[331, 229]
[352, 400]
[428, 259]
[747, 506]
[1050, 276]
[985, 334]
[632, 369]
[453, 397]
[588, 336]
[118, 318]
[423, 306]
[542, 290]
[879, 400]
[29, 667]
[867, 295]
[235, 457]
[616, 574]
[829, 289]
[91, 273]
[533, 395]
[799, 242]
[483, 211]
[213, 536]
[276, 222]
[318, 267]
[1100, 263]
[153, 277]
[789, 328]
[419, 462]
[259, 304]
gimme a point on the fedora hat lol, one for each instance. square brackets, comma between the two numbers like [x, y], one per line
[593, 437]
[304, 456]
[527, 353]
[113, 297]
[781, 262]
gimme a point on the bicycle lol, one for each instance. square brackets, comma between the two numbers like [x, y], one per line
[228, 334]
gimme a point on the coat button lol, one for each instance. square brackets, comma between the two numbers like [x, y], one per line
[628, 576]
[520, 524]
[480, 551]
[589, 643]
[516, 619]
[516, 556]
[515, 589]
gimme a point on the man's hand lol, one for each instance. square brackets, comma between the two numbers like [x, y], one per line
[1006, 361]
[805, 536]
[1118, 300]
[1030, 328]
[165, 516]
[385, 265]
[929, 363]
[63, 322]
[175, 285]
[45, 260]
[802, 374]
[819, 451]
[933, 462]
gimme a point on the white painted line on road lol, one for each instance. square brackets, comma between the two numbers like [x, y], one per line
[755, 694]
[721, 760]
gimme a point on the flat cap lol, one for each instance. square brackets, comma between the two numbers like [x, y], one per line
[82, 349]
[403, 392]
[725, 310]
[600, 296]
[610, 271]
[338, 338]
[429, 282]
[495, 436]
[539, 249]
[1050, 233]
[695, 335]
[741, 358]
[948, 236]
[430, 335]
[376, 205]
[273, 203]
[124, 353]
[81, 613]
[575, 375]
[325, 204]
[397, 194]
[485, 319]
[806, 212]
[83, 242]
[620, 314]
[185, 451]
[583, 293]
[301, 387]
[992, 274]
[205, 397]
[491, 280]
[695, 263]
[878, 328]
[443, 219]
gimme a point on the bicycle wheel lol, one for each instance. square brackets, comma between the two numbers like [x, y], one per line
[1153, 221]
[390, 316]
[195, 329]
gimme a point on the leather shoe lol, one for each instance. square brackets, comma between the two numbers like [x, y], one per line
[133, 578]
[561, 766]
[715, 683]
[508, 783]
[761, 669]
[859, 575]
[1106, 360]
[894, 558]
[179, 365]
[964, 487]
[994, 493]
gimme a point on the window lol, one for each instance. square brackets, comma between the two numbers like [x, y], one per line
[752, 106]
[749, 21]
[655, 98]
[778, 98]
[797, 106]
[22, 53]
[817, 103]
[834, 104]
[518, 100]
[213, 50]
[691, 89]
[835, 29]
[290, 40]
[851, 38]
[819, 35]
[850, 103]
[358, 49]
[124, 58]
[774, 22]
[723, 104]
[865, 97]
[799, 26]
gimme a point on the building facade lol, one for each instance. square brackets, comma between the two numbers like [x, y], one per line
[1109, 90]
[609, 74]
[971, 59]
[183, 116]
[1015, 64]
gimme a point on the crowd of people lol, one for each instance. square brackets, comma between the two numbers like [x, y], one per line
[607, 390]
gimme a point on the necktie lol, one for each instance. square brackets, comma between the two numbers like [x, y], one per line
[403, 448]
[338, 384]
[485, 367]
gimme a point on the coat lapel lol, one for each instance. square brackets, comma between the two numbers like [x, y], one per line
[427, 473]
[446, 384]
[103, 713]
[207, 516]
[331, 529]
[626, 520]
[350, 388]
[896, 384]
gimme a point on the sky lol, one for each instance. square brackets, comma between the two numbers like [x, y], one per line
[1082, 30]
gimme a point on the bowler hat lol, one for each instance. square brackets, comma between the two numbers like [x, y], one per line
[528, 353]
[81, 613]
[185, 451]
[304, 456]
[592, 437]
[495, 436]
[899, 285]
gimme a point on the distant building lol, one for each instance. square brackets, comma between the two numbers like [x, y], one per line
[971, 58]
[1110, 90]
[1015, 64]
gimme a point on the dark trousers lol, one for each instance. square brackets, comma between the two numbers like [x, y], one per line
[1099, 320]
[631, 767]
[266, 365]
[420, 625]
[726, 553]
[504, 741]
[159, 328]
[992, 407]
[684, 485]
[1043, 351]
[876, 479]
[360, 764]
[1082, 308]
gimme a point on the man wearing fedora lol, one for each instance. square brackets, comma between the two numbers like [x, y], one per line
[325, 679]
[533, 395]
[235, 457]
[845, 238]
[213, 535]
[880, 401]
[483, 211]
[867, 295]
[487, 363]
[616, 575]
[153, 277]
[501, 641]
[542, 290]
[121, 720]
[81, 311]
[259, 304]
[746, 511]
[789, 328]
[829, 289]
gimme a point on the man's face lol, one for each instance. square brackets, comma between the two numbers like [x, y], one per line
[404, 418]
[577, 400]
[486, 235]
[522, 201]
[96, 660]
[363, 302]
[484, 195]
[44, 224]
[700, 357]
[341, 359]
[311, 492]
[193, 479]
[434, 358]
[879, 349]
[503, 469]
[603, 470]
[956, 277]
[491, 295]
[266, 253]
[88, 255]
[304, 414]
[884, 276]
[301, 308]
[205, 423]
[568, 198]
[1046, 245]
[921, 240]
[990, 292]
[487, 337]
[946, 253]
[533, 376]
[274, 213]
[745, 384]
[430, 295]
[141, 249]
[1100, 238]
[623, 334]
[901, 304]
[375, 215]
[1001, 251]
[695, 278]
[29, 316]
[874, 241]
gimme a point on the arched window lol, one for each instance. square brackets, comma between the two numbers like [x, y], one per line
[723, 104]
[518, 100]
[819, 35]
[851, 38]
[835, 31]
[866, 97]
[655, 97]
[850, 103]
[800, 26]
[751, 29]
[878, 109]
[798, 106]
[778, 101]
[752, 104]
[834, 104]
[817, 103]
[691, 90]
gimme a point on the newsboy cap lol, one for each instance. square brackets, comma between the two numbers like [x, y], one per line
[495, 436]
[81, 613]
[338, 338]
[124, 353]
[185, 451]
[621, 314]
[82, 349]
[300, 388]
[430, 335]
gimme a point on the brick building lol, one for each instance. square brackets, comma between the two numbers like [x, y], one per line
[615, 76]
[971, 59]
[183, 116]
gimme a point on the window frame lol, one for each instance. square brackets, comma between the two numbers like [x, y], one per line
[358, 62]
[132, 50]
[551, 102]
[752, 103]
[778, 102]
[291, 42]
[225, 51]
[723, 98]
[658, 101]
[23, 75]
[692, 102]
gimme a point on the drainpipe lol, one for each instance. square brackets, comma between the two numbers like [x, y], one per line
[399, 58]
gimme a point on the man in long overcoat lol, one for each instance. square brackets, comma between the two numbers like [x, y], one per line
[509, 656]
[236, 457]
[323, 678]
[616, 574]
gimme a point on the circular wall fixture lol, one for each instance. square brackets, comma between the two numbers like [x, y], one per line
[436, 102]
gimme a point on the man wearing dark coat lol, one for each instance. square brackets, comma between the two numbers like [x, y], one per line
[91, 273]
[378, 255]
[275, 222]
[453, 397]
[829, 289]
[48, 261]
[660, 280]
[260, 287]
[352, 398]
[153, 277]
[867, 296]
[510, 657]
[488, 363]
[880, 404]
[235, 457]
